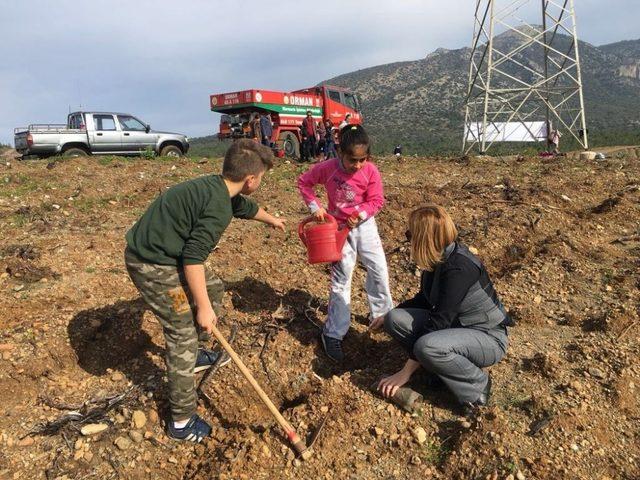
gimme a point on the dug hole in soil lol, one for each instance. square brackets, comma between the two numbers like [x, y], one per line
[560, 238]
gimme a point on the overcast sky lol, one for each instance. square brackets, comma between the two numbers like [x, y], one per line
[160, 60]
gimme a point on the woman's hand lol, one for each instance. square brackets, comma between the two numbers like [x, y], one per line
[388, 386]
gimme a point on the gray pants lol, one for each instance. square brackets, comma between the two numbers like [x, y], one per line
[456, 355]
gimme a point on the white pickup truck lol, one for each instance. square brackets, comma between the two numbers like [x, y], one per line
[103, 133]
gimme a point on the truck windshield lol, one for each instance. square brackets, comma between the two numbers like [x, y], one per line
[131, 124]
[351, 101]
[335, 96]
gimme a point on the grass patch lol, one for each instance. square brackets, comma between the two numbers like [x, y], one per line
[511, 466]
[27, 214]
[18, 184]
[513, 400]
[106, 161]
[607, 276]
[19, 219]
[109, 160]
[435, 452]
[87, 205]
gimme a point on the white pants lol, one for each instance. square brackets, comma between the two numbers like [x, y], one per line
[363, 240]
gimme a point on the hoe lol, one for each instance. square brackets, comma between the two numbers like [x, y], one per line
[298, 445]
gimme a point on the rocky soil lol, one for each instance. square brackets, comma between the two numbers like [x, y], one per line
[560, 237]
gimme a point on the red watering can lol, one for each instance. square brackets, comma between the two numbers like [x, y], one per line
[324, 241]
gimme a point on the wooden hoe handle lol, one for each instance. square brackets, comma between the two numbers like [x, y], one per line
[293, 437]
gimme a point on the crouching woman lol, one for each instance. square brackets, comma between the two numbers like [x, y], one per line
[456, 324]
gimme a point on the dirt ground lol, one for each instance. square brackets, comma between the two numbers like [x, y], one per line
[560, 237]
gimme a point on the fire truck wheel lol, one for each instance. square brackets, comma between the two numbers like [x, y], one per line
[171, 151]
[290, 144]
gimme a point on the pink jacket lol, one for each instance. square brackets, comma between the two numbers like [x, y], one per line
[349, 194]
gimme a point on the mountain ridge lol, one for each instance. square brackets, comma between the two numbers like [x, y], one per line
[419, 103]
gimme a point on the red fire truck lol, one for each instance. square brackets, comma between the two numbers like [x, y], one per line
[286, 109]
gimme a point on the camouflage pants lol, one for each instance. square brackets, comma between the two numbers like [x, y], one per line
[164, 289]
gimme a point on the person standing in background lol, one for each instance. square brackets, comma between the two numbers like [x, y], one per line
[309, 132]
[554, 140]
[345, 122]
[322, 132]
[329, 144]
[256, 131]
[266, 128]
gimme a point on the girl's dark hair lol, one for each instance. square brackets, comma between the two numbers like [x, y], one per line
[352, 135]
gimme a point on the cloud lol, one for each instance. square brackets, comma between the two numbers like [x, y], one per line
[160, 60]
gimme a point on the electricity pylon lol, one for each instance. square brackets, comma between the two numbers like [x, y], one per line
[523, 72]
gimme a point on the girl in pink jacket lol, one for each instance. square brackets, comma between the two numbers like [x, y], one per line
[355, 194]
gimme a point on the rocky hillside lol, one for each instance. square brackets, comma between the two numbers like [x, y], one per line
[420, 103]
[628, 54]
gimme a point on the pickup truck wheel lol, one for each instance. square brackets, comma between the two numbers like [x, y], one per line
[170, 151]
[74, 152]
[290, 144]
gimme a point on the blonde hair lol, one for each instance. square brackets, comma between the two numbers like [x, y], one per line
[431, 229]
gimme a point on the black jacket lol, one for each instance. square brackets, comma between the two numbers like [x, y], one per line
[459, 293]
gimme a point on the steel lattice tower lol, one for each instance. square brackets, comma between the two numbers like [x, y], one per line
[527, 73]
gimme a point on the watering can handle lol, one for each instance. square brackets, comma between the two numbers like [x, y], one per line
[311, 218]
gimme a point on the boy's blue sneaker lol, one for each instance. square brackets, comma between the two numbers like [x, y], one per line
[195, 430]
[206, 358]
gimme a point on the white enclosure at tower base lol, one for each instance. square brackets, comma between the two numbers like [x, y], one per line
[509, 132]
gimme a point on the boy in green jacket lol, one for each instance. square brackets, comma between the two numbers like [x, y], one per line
[165, 254]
